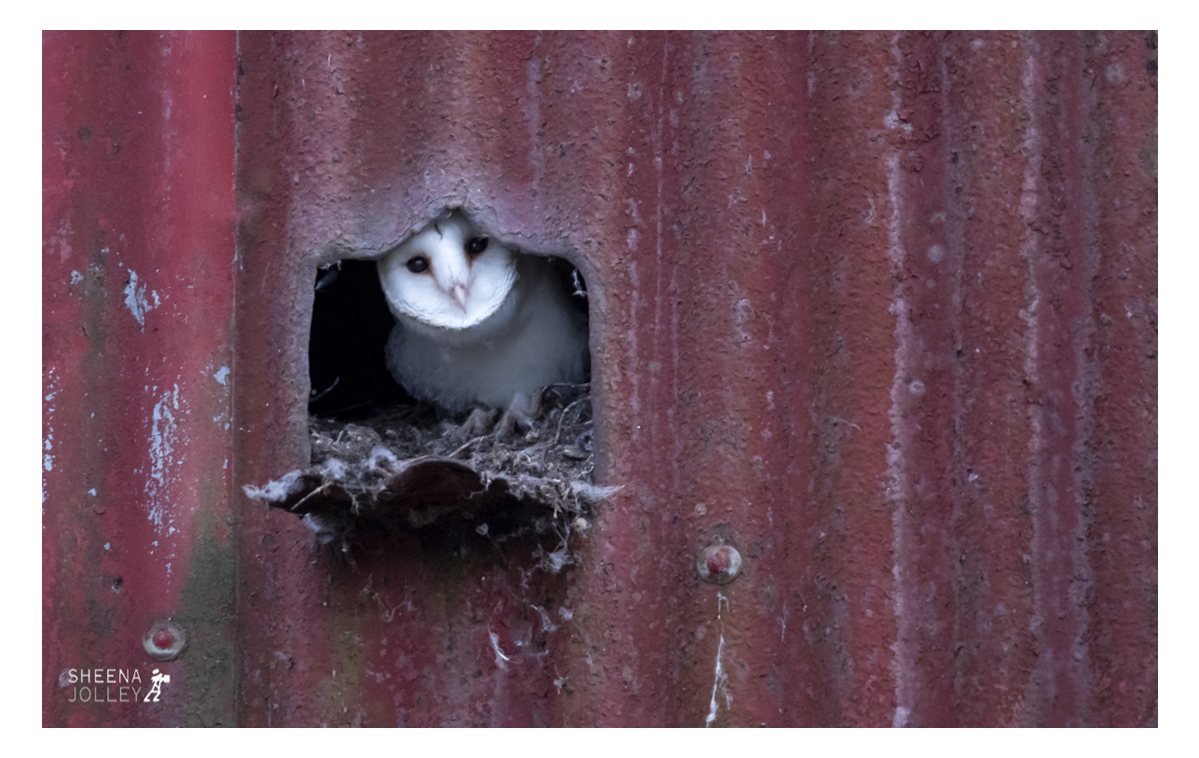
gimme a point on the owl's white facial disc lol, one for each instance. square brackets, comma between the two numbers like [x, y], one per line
[448, 276]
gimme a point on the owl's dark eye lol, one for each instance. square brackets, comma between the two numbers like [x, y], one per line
[418, 264]
[477, 245]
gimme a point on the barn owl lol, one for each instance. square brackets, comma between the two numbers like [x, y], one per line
[479, 325]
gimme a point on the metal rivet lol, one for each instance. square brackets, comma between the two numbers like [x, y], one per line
[163, 641]
[719, 564]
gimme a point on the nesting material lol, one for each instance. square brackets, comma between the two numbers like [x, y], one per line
[404, 469]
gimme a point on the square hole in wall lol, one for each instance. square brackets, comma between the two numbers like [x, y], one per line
[386, 460]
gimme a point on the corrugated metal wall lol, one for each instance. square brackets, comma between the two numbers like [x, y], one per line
[876, 310]
[137, 353]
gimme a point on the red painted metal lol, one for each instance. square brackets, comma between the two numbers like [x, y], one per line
[876, 310]
[137, 312]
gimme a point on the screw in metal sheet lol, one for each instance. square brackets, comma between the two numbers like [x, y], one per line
[164, 640]
[719, 564]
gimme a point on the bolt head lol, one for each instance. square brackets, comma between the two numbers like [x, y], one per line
[163, 640]
[719, 564]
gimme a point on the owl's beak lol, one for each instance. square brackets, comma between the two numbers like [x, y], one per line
[458, 293]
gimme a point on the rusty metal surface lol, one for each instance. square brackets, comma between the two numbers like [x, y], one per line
[876, 310]
[137, 346]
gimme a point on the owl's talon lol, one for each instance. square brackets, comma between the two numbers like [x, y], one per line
[511, 423]
[519, 416]
[477, 423]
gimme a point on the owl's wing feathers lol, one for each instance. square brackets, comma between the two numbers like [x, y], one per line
[537, 337]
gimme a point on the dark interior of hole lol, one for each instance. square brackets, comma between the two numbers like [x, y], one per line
[350, 324]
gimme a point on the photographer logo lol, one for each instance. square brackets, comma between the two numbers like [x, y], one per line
[113, 685]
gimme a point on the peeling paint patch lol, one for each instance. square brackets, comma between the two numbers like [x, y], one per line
[720, 685]
[48, 442]
[136, 302]
[61, 241]
[904, 666]
[500, 659]
[165, 440]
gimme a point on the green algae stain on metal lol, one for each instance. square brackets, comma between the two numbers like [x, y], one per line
[207, 613]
